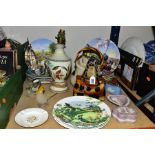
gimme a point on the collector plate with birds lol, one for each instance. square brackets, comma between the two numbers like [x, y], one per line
[81, 112]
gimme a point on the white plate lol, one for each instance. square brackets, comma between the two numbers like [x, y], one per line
[31, 117]
[134, 46]
[81, 103]
[120, 100]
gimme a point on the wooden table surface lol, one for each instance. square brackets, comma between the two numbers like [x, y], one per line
[29, 102]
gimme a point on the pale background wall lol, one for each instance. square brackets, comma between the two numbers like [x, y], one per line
[76, 36]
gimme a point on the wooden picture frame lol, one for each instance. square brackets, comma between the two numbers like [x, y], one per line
[128, 68]
[130, 76]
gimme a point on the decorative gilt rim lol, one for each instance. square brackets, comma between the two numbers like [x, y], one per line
[59, 60]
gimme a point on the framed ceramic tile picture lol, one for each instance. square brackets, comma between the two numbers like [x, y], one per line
[128, 68]
[128, 72]
[130, 76]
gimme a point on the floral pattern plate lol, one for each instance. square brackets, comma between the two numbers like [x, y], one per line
[31, 117]
[81, 112]
[110, 52]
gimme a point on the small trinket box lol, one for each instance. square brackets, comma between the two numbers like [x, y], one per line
[112, 89]
[125, 114]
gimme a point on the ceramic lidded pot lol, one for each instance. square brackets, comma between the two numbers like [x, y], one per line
[59, 64]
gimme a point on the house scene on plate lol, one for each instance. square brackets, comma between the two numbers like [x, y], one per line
[77, 77]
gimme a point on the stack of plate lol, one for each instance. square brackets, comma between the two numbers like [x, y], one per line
[81, 112]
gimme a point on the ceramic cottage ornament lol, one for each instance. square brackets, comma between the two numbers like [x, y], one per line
[59, 64]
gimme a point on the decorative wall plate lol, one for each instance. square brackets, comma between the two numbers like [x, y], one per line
[43, 47]
[150, 52]
[31, 117]
[110, 52]
[35, 57]
[30, 58]
[81, 112]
